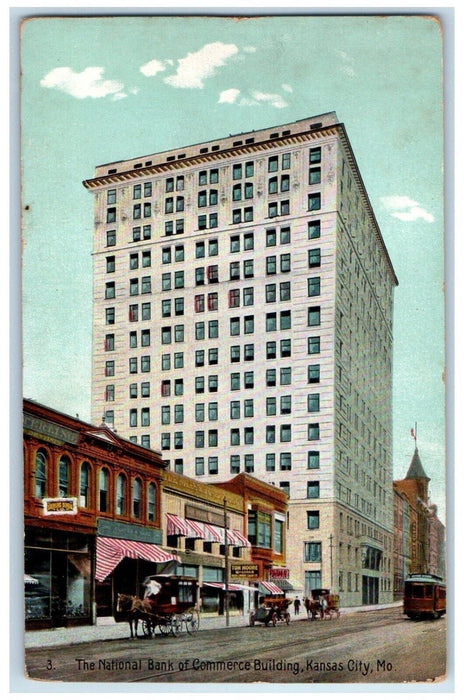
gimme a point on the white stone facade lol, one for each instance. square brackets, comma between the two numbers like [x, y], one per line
[243, 322]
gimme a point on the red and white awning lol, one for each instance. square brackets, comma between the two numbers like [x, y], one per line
[270, 587]
[241, 539]
[222, 586]
[213, 533]
[176, 525]
[111, 551]
[196, 530]
[187, 528]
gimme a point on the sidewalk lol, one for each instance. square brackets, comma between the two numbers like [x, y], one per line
[107, 629]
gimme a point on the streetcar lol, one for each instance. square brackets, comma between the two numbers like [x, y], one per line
[424, 596]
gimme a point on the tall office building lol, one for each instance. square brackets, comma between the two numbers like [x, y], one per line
[243, 301]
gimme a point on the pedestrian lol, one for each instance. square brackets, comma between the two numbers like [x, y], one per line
[296, 605]
[323, 606]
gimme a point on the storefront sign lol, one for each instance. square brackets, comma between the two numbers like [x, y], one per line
[43, 427]
[59, 506]
[279, 573]
[244, 571]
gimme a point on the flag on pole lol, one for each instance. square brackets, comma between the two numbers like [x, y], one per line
[413, 434]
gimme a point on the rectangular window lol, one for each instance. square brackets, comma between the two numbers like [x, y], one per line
[314, 257]
[312, 552]
[313, 403]
[314, 176]
[314, 316]
[314, 374]
[199, 466]
[315, 155]
[270, 462]
[248, 296]
[111, 238]
[212, 465]
[234, 464]
[314, 229]
[314, 286]
[312, 519]
[312, 489]
[314, 201]
[313, 431]
[286, 461]
[314, 345]
[313, 459]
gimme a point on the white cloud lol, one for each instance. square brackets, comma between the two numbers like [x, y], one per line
[257, 98]
[404, 208]
[413, 214]
[287, 88]
[153, 67]
[229, 96]
[398, 201]
[196, 67]
[273, 99]
[249, 49]
[88, 83]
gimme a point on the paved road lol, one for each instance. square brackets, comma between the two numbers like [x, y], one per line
[368, 647]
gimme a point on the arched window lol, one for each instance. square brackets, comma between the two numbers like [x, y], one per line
[103, 490]
[151, 503]
[121, 494]
[84, 485]
[63, 477]
[40, 486]
[137, 498]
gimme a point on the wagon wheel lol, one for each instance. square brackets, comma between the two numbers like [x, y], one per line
[176, 625]
[192, 621]
[164, 626]
[147, 628]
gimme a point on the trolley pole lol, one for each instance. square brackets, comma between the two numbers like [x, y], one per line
[331, 562]
[226, 566]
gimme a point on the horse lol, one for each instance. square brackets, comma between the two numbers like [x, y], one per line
[134, 608]
[313, 608]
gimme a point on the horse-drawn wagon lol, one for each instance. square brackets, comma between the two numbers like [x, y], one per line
[272, 609]
[322, 604]
[168, 604]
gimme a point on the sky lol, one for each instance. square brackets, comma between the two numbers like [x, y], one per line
[100, 89]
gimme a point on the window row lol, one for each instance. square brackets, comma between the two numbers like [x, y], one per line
[237, 242]
[129, 495]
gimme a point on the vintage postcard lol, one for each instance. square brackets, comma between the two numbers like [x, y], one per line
[232, 241]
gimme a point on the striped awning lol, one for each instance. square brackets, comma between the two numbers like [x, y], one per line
[222, 586]
[176, 525]
[196, 530]
[213, 533]
[270, 587]
[241, 539]
[111, 551]
[187, 528]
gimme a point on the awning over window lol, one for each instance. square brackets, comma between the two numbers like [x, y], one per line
[176, 525]
[187, 528]
[269, 587]
[210, 533]
[241, 539]
[111, 551]
[213, 534]
[196, 530]
[222, 586]
[30, 580]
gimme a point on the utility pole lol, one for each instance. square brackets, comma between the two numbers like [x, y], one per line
[226, 566]
[331, 562]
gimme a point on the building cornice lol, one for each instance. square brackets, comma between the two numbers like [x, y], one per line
[211, 157]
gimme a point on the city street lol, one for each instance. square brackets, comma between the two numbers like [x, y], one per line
[365, 647]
